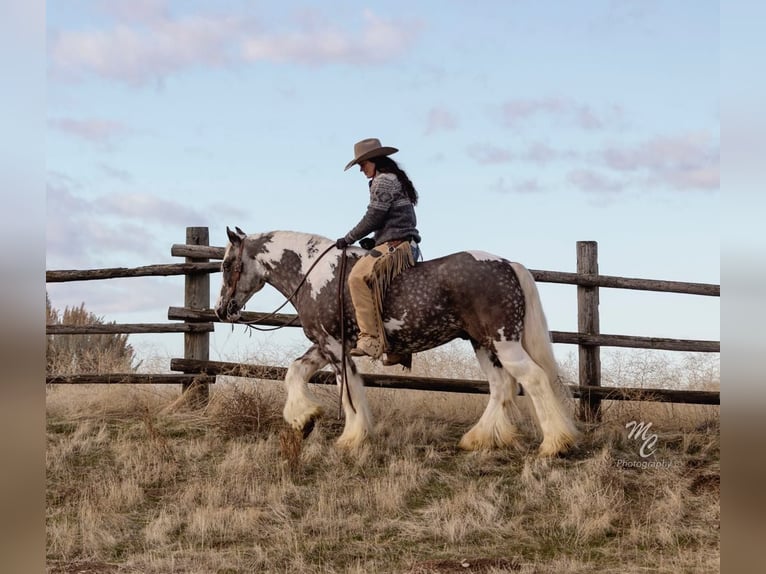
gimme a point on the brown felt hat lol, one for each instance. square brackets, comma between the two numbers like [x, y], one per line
[367, 149]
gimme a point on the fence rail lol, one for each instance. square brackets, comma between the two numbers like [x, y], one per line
[567, 337]
[207, 371]
[197, 321]
[129, 328]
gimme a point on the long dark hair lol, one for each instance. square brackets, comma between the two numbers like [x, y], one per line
[385, 164]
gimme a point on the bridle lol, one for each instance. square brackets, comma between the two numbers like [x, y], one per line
[237, 274]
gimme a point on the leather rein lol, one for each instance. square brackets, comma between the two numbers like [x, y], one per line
[341, 308]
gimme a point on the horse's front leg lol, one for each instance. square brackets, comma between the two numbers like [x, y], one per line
[301, 408]
[353, 397]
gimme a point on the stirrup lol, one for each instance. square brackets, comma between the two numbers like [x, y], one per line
[405, 360]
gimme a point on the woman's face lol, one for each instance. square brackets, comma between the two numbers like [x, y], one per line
[367, 168]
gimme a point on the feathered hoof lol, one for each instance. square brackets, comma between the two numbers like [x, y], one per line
[480, 439]
[350, 442]
[556, 447]
[473, 440]
[305, 423]
[470, 443]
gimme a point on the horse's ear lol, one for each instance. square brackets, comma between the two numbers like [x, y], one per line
[241, 233]
[234, 238]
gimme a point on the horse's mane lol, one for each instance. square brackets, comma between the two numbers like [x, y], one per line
[298, 235]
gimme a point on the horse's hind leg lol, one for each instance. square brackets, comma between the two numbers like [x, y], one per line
[301, 409]
[494, 428]
[558, 428]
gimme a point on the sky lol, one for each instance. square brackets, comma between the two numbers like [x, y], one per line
[525, 127]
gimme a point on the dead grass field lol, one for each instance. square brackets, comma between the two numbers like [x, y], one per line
[132, 487]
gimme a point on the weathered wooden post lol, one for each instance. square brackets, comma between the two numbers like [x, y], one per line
[587, 322]
[197, 296]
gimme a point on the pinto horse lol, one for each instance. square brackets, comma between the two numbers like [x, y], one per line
[492, 302]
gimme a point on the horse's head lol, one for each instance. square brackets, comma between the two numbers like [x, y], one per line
[243, 276]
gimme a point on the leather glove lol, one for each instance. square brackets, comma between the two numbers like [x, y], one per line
[341, 243]
[367, 243]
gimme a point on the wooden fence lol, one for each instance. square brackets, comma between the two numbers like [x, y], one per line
[196, 320]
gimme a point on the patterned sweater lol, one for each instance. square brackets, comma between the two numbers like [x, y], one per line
[390, 213]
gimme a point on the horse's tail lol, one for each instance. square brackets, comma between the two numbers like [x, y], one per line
[536, 338]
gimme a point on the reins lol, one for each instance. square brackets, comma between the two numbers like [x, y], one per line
[253, 324]
[341, 313]
[342, 319]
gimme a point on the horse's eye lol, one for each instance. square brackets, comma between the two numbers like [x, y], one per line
[226, 265]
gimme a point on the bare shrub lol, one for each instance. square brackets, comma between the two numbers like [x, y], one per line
[91, 353]
[243, 411]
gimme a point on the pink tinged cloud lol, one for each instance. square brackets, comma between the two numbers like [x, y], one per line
[514, 113]
[440, 119]
[146, 11]
[486, 154]
[318, 42]
[147, 208]
[80, 230]
[149, 45]
[93, 130]
[688, 161]
[542, 153]
[538, 153]
[526, 186]
[142, 53]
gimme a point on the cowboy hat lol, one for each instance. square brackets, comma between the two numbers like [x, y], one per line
[369, 148]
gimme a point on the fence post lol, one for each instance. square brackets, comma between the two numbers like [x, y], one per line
[588, 322]
[197, 296]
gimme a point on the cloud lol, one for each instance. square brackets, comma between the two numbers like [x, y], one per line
[145, 11]
[682, 162]
[487, 154]
[593, 182]
[536, 153]
[141, 53]
[147, 43]
[317, 42]
[542, 153]
[147, 207]
[514, 113]
[78, 232]
[92, 130]
[521, 187]
[83, 232]
[440, 119]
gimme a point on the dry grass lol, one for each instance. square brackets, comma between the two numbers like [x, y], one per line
[134, 488]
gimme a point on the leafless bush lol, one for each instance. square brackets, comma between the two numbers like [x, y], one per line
[240, 410]
[91, 353]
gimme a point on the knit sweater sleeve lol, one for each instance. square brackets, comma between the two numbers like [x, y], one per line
[382, 193]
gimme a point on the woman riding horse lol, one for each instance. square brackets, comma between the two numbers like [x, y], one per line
[391, 216]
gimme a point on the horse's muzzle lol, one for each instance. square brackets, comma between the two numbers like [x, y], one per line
[230, 312]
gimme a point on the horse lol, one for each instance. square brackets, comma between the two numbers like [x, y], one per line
[490, 301]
